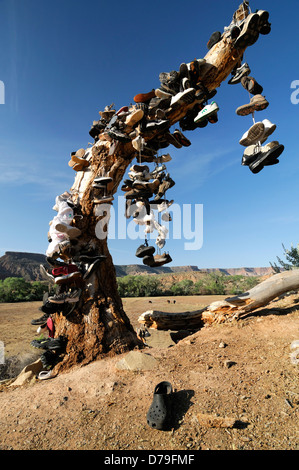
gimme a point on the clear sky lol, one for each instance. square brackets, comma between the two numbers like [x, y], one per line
[63, 61]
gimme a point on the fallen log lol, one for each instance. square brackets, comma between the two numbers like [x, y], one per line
[225, 310]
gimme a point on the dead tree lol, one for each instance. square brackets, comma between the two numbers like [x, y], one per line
[98, 325]
[232, 308]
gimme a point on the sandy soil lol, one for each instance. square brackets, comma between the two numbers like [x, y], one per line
[241, 370]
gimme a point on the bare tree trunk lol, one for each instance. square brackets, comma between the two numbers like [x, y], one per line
[228, 309]
[98, 325]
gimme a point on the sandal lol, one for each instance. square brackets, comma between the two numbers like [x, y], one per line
[159, 412]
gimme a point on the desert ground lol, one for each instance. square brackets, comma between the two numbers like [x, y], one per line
[238, 372]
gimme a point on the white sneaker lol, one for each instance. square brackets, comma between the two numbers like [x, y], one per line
[253, 135]
[207, 111]
[186, 96]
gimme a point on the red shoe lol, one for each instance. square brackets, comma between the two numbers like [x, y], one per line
[144, 97]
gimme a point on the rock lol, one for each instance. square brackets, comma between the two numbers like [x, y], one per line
[212, 421]
[28, 374]
[229, 364]
[136, 360]
[159, 339]
[222, 345]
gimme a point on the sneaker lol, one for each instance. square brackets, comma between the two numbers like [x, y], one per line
[64, 270]
[149, 260]
[253, 135]
[78, 157]
[145, 250]
[70, 297]
[157, 125]
[257, 103]
[49, 359]
[42, 320]
[45, 274]
[186, 96]
[170, 81]
[77, 166]
[138, 193]
[194, 70]
[251, 85]
[160, 260]
[103, 180]
[69, 230]
[116, 134]
[172, 139]
[88, 259]
[215, 37]
[162, 94]
[163, 187]
[48, 308]
[181, 138]
[96, 129]
[93, 267]
[150, 185]
[134, 117]
[67, 278]
[144, 97]
[184, 71]
[240, 72]
[158, 170]
[208, 110]
[250, 154]
[52, 344]
[266, 156]
[249, 32]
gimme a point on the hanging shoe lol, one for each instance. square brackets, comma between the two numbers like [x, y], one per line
[160, 260]
[267, 155]
[251, 85]
[257, 103]
[145, 250]
[208, 110]
[250, 154]
[240, 72]
[253, 135]
[249, 33]
[181, 138]
[148, 260]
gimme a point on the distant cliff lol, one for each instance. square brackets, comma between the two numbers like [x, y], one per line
[27, 265]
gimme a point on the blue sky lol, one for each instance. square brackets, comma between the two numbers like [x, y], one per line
[64, 61]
